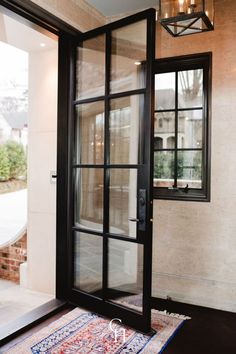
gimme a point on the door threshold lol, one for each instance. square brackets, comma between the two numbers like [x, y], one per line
[30, 319]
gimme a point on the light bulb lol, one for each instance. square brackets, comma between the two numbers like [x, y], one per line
[181, 5]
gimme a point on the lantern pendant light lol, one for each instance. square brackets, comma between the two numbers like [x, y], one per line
[184, 17]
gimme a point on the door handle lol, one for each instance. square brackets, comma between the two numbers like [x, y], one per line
[134, 220]
[141, 220]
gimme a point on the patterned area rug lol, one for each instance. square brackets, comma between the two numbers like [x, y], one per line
[83, 332]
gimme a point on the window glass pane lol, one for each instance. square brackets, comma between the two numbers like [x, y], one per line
[209, 7]
[129, 45]
[190, 169]
[165, 91]
[88, 262]
[123, 201]
[190, 132]
[164, 130]
[90, 133]
[89, 198]
[190, 85]
[158, 143]
[90, 75]
[163, 168]
[125, 118]
[125, 272]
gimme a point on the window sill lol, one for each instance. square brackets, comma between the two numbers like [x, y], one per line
[181, 195]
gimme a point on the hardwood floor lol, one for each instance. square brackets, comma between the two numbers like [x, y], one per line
[208, 332]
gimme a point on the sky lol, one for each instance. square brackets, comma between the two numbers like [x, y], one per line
[165, 81]
[13, 70]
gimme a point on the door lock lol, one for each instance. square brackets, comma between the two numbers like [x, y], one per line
[142, 199]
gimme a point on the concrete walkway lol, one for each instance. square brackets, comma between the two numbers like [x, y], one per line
[16, 301]
[13, 216]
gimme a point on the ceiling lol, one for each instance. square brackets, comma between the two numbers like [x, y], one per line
[116, 7]
[22, 36]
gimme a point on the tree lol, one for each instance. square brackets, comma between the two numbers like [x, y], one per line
[191, 82]
[163, 166]
[17, 159]
[197, 163]
[180, 165]
[4, 164]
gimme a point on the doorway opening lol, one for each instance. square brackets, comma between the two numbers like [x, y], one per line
[28, 145]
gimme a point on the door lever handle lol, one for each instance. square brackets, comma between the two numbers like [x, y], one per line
[133, 219]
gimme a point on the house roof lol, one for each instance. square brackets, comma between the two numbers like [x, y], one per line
[16, 120]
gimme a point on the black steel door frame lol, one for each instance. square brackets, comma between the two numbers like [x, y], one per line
[145, 180]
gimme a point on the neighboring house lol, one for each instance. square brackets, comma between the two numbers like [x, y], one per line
[5, 130]
[14, 126]
[189, 127]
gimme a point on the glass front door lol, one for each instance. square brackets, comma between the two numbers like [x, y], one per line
[111, 184]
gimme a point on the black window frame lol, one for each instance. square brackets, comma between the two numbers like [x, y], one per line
[183, 63]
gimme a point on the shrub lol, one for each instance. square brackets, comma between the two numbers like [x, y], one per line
[17, 159]
[4, 164]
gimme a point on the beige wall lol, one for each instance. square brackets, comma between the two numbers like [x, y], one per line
[42, 156]
[194, 243]
[194, 256]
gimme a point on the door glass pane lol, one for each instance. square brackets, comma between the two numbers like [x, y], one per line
[89, 198]
[125, 277]
[90, 74]
[163, 168]
[164, 130]
[125, 119]
[88, 262]
[123, 201]
[165, 91]
[190, 85]
[190, 169]
[190, 132]
[90, 133]
[129, 46]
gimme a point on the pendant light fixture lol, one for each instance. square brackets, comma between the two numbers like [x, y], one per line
[184, 17]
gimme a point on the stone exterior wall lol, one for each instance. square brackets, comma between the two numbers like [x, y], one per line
[11, 258]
